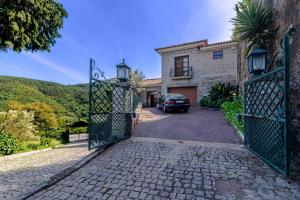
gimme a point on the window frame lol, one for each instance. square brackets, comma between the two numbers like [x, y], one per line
[219, 54]
[181, 67]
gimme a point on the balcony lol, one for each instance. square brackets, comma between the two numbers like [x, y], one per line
[181, 73]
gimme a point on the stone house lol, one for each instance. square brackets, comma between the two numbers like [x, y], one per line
[192, 68]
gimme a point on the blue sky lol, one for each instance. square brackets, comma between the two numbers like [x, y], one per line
[109, 30]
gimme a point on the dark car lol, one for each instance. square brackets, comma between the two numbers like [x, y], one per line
[173, 102]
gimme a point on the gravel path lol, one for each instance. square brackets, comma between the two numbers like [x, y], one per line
[196, 125]
[20, 174]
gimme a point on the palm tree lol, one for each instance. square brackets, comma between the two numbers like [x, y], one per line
[254, 25]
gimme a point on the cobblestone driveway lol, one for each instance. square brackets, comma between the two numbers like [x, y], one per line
[147, 168]
[19, 174]
[196, 125]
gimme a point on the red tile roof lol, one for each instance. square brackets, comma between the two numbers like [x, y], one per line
[195, 42]
[223, 42]
[183, 44]
[149, 82]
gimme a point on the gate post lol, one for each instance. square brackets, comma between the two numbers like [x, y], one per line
[286, 47]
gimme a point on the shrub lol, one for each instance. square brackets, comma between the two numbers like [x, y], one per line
[54, 143]
[18, 124]
[44, 115]
[33, 145]
[218, 94]
[206, 102]
[60, 134]
[8, 144]
[45, 141]
[50, 142]
[78, 130]
[65, 136]
[231, 110]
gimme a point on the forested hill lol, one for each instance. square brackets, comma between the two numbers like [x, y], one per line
[66, 100]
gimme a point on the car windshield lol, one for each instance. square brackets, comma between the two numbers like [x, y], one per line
[175, 96]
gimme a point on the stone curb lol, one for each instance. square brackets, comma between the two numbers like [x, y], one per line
[8, 157]
[63, 174]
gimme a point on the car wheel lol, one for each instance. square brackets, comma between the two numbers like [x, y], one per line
[185, 110]
[165, 110]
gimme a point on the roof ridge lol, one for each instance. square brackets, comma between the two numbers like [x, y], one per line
[182, 44]
[221, 42]
[151, 78]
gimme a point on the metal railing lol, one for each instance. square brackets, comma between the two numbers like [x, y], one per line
[181, 72]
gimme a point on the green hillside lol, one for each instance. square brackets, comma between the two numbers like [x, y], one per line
[66, 100]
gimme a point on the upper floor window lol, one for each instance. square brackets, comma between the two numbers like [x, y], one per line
[217, 54]
[182, 66]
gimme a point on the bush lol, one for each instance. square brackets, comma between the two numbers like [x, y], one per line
[206, 102]
[78, 130]
[231, 110]
[218, 94]
[60, 134]
[18, 124]
[54, 143]
[8, 144]
[45, 141]
[33, 145]
[64, 138]
[49, 142]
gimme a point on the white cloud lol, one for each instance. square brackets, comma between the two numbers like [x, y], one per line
[63, 69]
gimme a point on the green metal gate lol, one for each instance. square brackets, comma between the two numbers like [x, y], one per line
[267, 113]
[110, 109]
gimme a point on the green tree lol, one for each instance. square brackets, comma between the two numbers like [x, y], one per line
[30, 25]
[253, 24]
[44, 116]
[19, 124]
[136, 79]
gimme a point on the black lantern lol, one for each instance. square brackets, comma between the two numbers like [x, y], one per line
[123, 71]
[257, 61]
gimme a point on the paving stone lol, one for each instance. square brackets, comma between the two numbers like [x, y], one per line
[21, 173]
[144, 168]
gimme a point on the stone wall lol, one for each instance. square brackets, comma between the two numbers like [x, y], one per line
[286, 12]
[206, 70]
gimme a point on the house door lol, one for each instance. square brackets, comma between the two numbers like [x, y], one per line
[152, 101]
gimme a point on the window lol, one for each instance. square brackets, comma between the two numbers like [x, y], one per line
[217, 55]
[182, 66]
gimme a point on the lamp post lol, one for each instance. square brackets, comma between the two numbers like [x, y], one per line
[257, 61]
[123, 71]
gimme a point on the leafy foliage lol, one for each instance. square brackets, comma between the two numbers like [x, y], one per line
[19, 124]
[79, 130]
[8, 144]
[69, 102]
[206, 102]
[231, 110]
[136, 79]
[44, 116]
[30, 25]
[253, 24]
[218, 94]
[49, 142]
